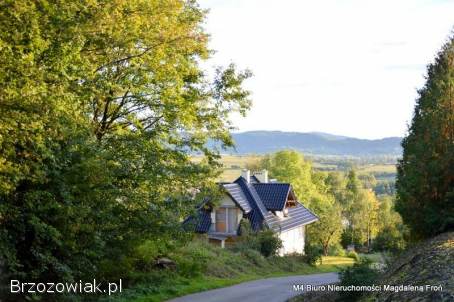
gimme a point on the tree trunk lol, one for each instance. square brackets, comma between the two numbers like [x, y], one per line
[325, 249]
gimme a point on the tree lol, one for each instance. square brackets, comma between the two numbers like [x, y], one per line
[368, 181]
[392, 232]
[353, 183]
[425, 179]
[101, 105]
[327, 231]
[290, 166]
[352, 195]
[336, 184]
[365, 217]
[360, 209]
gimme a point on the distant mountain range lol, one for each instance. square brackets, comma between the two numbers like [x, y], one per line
[317, 143]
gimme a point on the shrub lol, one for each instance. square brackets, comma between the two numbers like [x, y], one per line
[313, 253]
[192, 258]
[337, 250]
[353, 255]
[348, 237]
[268, 243]
[360, 274]
[255, 257]
[265, 241]
[390, 239]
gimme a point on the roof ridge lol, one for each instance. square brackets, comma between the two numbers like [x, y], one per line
[258, 203]
[272, 183]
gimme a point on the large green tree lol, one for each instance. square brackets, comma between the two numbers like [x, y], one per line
[327, 231]
[425, 182]
[101, 105]
[392, 232]
[290, 166]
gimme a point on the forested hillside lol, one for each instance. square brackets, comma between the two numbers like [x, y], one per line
[260, 142]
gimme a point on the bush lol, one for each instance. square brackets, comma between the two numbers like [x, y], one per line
[353, 255]
[336, 250]
[268, 243]
[255, 257]
[192, 258]
[359, 274]
[348, 237]
[390, 239]
[313, 253]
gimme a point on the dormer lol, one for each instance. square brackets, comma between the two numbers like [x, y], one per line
[291, 200]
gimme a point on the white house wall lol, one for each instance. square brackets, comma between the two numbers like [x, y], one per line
[226, 201]
[292, 241]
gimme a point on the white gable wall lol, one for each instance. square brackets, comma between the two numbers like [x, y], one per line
[292, 241]
[227, 201]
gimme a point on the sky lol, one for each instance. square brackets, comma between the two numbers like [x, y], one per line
[346, 67]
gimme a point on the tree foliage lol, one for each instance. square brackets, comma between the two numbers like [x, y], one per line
[328, 230]
[101, 104]
[291, 167]
[425, 182]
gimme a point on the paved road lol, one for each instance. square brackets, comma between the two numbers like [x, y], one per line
[264, 290]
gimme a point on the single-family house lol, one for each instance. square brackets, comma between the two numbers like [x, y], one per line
[263, 203]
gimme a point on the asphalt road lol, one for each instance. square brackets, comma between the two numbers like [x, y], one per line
[264, 290]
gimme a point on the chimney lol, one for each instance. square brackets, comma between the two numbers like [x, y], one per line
[262, 176]
[246, 174]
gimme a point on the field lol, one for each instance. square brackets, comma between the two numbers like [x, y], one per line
[381, 169]
[234, 164]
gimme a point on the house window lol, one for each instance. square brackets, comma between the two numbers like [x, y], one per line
[226, 220]
[221, 224]
[232, 218]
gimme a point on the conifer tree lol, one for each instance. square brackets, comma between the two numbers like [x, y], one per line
[425, 183]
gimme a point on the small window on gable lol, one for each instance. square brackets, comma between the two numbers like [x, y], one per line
[291, 200]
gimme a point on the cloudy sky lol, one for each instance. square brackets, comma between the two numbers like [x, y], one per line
[348, 67]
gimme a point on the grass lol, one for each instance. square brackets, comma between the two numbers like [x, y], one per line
[378, 168]
[374, 257]
[336, 261]
[219, 268]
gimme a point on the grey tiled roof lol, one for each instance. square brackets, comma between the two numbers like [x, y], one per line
[199, 223]
[237, 194]
[273, 195]
[297, 216]
[254, 180]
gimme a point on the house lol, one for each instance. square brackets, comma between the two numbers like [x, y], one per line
[265, 204]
